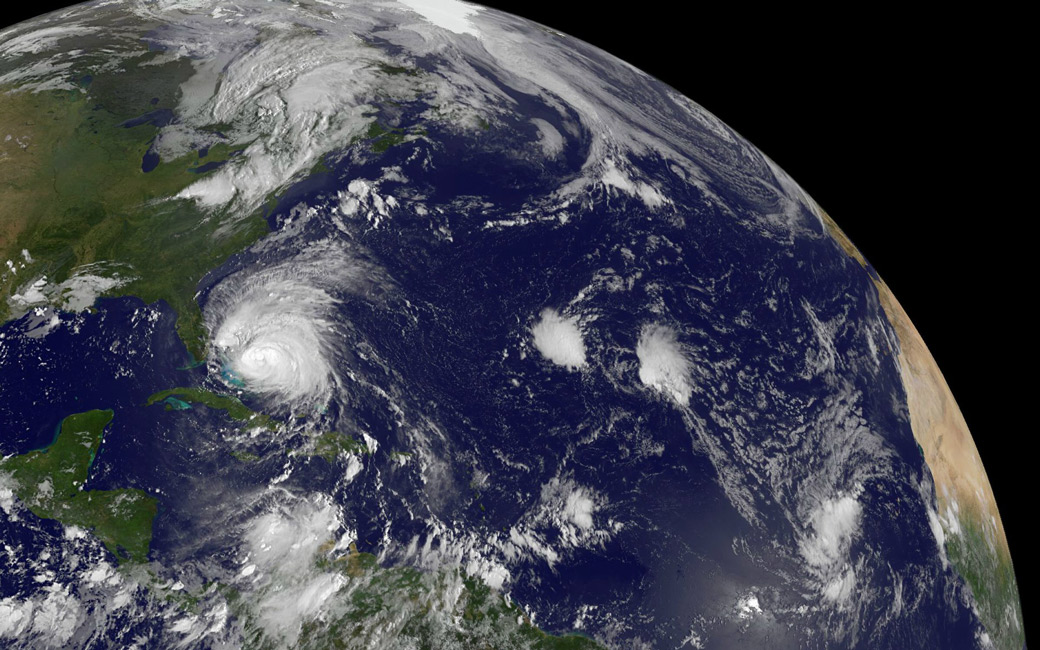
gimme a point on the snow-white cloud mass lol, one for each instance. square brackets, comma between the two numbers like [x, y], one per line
[559, 339]
[663, 365]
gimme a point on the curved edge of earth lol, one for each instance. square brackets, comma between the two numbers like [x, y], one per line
[967, 521]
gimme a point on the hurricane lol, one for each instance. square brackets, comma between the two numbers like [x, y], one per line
[274, 335]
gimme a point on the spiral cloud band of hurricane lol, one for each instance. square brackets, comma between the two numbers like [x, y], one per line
[274, 341]
[275, 331]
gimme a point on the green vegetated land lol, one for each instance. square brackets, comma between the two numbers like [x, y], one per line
[176, 398]
[405, 607]
[992, 581]
[331, 444]
[50, 483]
[73, 192]
[328, 445]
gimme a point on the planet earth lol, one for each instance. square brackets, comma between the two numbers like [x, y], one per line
[417, 324]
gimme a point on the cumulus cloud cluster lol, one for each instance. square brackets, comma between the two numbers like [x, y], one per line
[559, 339]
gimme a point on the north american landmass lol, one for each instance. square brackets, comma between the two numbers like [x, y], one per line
[50, 482]
[88, 208]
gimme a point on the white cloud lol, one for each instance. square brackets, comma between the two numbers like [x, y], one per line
[49, 621]
[559, 339]
[834, 523]
[748, 606]
[937, 531]
[42, 40]
[451, 15]
[275, 327]
[549, 139]
[570, 508]
[615, 177]
[292, 96]
[361, 199]
[663, 365]
[283, 545]
[839, 588]
[78, 293]
[81, 290]
[579, 508]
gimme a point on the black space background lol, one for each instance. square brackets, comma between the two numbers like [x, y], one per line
[909, 129]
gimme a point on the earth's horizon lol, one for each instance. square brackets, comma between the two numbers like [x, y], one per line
[418, 324]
